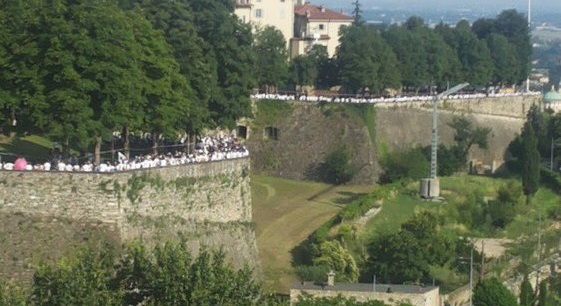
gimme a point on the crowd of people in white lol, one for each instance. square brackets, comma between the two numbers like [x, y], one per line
[206, 149]
[374, 100]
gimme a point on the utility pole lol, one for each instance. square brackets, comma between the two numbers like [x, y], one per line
[471, 278]
[432, 182]
[529, 30]
[539, 247]
[482, 271]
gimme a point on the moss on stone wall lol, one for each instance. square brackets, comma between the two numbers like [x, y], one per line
[366, 114]
[270, 112]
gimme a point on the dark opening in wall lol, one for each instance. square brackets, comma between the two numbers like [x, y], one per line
[271, 133]
[242, 131]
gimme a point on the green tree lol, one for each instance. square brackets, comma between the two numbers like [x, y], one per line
[229, 44]
[333, 255]
[514, 26]
[82, 280]
[366, 61]
[505, 60]
[504, 209]
[411, 56]
[337, 166]
[357, 14]
[483, 27]
[165, 90]
[530, 161]
[409, 164]
[490, 292]
[176, 20]
[543, 295]
[21, 88]
[311, 68]
[166, 275]
[474, 55]
[271, 64]
[526, 293]
[408, 255]
[466, 135]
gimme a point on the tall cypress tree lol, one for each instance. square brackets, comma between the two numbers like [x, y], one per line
[530, 161]
[526, 292]
[542, 296]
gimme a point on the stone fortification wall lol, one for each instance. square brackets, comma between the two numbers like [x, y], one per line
[208, 203]
[401, 128]
[312, 130]
[508, 106]
[306, 136]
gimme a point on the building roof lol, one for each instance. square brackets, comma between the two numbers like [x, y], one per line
[410, 289]
[552, 96]
[319, 13]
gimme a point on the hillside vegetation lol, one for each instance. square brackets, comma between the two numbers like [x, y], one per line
[285, 213]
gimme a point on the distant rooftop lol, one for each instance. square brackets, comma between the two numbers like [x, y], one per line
[412, 289]
[316, 12]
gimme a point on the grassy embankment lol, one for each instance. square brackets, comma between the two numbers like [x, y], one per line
[31, 147]
[455, 190]
[285, 213]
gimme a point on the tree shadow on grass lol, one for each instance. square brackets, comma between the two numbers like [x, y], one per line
[347, 197]
[19, 146]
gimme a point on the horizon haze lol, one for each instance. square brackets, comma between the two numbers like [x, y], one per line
[447, 5]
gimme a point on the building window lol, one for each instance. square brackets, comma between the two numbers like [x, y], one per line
[271, 133]
[258, 13]
[321, 27]
[242, 131]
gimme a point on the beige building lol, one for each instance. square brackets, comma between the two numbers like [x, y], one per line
[260, 13]
[389, 294]
[301, 23]
[317, 25]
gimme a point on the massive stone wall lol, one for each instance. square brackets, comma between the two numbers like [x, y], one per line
[309, 133]
[402, 128]
[508, 106]
[306, 135]
[208, 203]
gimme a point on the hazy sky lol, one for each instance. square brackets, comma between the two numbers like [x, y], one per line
[491, 5]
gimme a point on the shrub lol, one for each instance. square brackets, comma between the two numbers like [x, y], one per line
[411, 164]
[316, 274]
[337, 167]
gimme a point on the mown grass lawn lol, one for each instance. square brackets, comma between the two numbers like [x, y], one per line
[286, 212]
[32, 147]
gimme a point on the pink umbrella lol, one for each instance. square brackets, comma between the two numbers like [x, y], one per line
[19, 164]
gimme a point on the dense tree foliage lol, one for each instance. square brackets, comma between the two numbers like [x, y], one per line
[366, 61]
[490, 292]
[166, 275]
[80, 70]
[409, 254]
[526, 292]
[337, 259]
[410, 164]
[530, 161]
[271, 64]
[490, 52]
